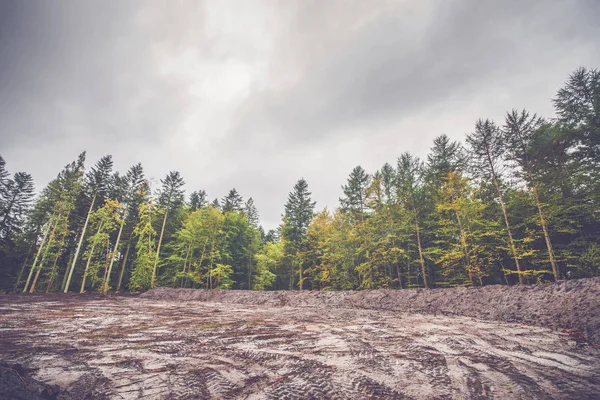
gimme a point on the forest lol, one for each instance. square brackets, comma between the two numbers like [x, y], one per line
[517, 203]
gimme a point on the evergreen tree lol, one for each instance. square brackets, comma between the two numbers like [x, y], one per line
[198, 200]
[251, 213]
[410, 193]
[170, 197]
[487, 151]
[232, 202]
[19, 195]
[298, 214]
[98, 182]
[355, 192]
[519, 132]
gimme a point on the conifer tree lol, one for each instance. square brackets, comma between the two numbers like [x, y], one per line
[355, 197]
[298, 214]
[198, 200]
[410, 193]
[97, 182]
[170, 197]
[519, 132]
[487, 150]
[232, 202]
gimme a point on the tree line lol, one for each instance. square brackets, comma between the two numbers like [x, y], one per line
[517, 203]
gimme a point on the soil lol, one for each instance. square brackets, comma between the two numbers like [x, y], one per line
[281, 345]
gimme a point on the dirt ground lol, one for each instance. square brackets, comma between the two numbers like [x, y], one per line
[78, 347]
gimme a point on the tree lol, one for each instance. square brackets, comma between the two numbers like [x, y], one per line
[251, 213]
[97, 182]
[142, 276]
[232, 202]
[487, 150]
[298, 214]
[355, 192]
[104, 220]
[198, 200]
[410, 193]
[519, 132]
[18, 195]
[58, 200]
[170, 197]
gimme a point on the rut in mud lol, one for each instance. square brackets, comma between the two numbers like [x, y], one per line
[129, 348]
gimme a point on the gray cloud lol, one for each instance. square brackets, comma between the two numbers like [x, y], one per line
[255, 96]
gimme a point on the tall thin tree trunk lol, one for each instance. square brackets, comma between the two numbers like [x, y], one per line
[87, 265]
[187, 255]
[503, 206]
[87, 219]
[112, 258]
[53, 272]
[300, 282]
[421, 259]
[16, 285]
[65, 276]
[463, 241]
[37, 256]
[37, 274]
[546, 235]
[201, 258]
[212, 254]
[162, 231]
[124, 265]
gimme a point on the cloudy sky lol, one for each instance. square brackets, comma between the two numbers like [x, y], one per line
[257, 94]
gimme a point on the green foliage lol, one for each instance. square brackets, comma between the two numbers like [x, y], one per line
[520, 205]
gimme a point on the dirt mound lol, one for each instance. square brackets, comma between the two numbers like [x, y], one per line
[568, 305]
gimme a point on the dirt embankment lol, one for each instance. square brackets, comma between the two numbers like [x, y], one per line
[573, 305]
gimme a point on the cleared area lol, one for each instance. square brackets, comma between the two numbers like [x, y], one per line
[132, 347]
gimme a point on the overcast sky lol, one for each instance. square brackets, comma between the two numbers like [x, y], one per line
[257, 94]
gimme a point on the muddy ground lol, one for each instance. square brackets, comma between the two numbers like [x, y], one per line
[78, 347]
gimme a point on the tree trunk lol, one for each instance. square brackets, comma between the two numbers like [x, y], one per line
[546, 235]
[64, 282]
[508, 229]
[112, 258]
[87, 219]
[37, 274]
[463, 241]
[162, 231]
[16, 285]
[124, 265]
[212, 248]
[37, 256]
[87, 265]
[421, 259]
[300, 282]
[187, 255]
[53, 272]
[503, 206]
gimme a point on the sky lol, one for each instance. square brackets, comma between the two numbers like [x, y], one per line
[258, 94]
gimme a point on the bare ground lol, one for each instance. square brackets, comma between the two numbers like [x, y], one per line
[132, 347]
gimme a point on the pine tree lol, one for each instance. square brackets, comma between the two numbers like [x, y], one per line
[170, 198]
[519, 132]
[251, 212]
[298, 214]
[97, 186]
[198, 200]
[487, 150]
[59, 199]
[410, 193]
[19, 195]
[355, 192]
[232, 202]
